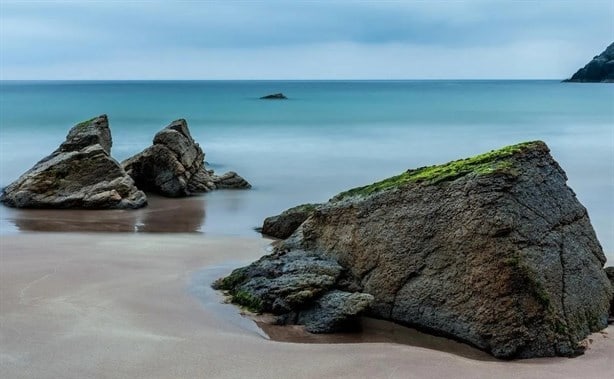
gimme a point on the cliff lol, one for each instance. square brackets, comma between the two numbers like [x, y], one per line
[599, 69]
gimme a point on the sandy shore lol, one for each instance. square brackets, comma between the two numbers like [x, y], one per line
[135, 306]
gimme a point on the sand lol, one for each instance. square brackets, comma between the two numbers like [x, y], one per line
[139, 306]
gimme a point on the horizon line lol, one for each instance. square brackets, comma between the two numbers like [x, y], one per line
[282, 80]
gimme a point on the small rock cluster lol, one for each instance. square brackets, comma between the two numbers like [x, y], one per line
[82, 174]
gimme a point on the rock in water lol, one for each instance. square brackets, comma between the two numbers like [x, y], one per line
[174, 165]
[79, 174]
[599, 69]
[493, 250]
[274, 96]
[230, 180]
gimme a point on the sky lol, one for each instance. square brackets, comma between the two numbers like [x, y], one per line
[472, 39]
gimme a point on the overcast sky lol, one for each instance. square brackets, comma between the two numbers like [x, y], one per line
[301, 39]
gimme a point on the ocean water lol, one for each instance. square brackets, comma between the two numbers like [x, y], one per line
[329, 136]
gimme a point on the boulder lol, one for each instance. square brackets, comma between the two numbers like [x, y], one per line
[79, 174]
[230, 180]
[289, 285]
[274, 96]
[284, 224]
[174, 165]
[599, 69]
[494, 250]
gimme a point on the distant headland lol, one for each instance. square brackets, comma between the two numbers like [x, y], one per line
[599, 69]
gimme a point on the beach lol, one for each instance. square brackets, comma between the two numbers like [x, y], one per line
[127, 305]
[126, 293]
[306, 189]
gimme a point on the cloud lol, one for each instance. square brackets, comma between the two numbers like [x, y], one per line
[275, 39]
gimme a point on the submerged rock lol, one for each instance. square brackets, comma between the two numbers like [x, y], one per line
[493, 250]
[174, 165]
[599, 69]
[79, 174]
[284, 224]
[274, 96]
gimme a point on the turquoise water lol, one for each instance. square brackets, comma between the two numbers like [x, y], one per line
[330, 135]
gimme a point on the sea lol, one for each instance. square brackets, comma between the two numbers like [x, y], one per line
[327, 137]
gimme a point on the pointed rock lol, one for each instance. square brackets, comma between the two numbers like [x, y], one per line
[79, 174]
[494, 250]
[174, 165]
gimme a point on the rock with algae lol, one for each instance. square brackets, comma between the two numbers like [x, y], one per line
[493, 250]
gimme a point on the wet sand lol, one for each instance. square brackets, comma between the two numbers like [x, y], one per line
[161, 215]
[138, 306]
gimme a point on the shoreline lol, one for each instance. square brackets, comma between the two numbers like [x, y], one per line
[76, 305]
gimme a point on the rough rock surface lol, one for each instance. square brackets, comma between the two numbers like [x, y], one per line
[335, 311]
[174, 165]
[288, 284]
[609, 271]
[599, 69]
[284, 224]
[494, 250]
[79, 174]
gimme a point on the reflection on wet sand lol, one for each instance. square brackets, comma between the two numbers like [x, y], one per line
[161, 215]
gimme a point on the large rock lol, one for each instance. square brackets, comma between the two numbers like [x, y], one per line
[599, 69]
[79, 174]
[284, 224]
[493, 250]
[174, 165]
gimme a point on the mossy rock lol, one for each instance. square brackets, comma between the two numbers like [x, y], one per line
[495, 161]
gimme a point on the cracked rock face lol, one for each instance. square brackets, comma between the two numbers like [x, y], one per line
[174, 165]
[79, 174]
[494, 250]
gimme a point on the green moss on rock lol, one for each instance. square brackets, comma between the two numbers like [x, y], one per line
[247, 300]
[487, 163]
[85, 123]
[230, 282]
